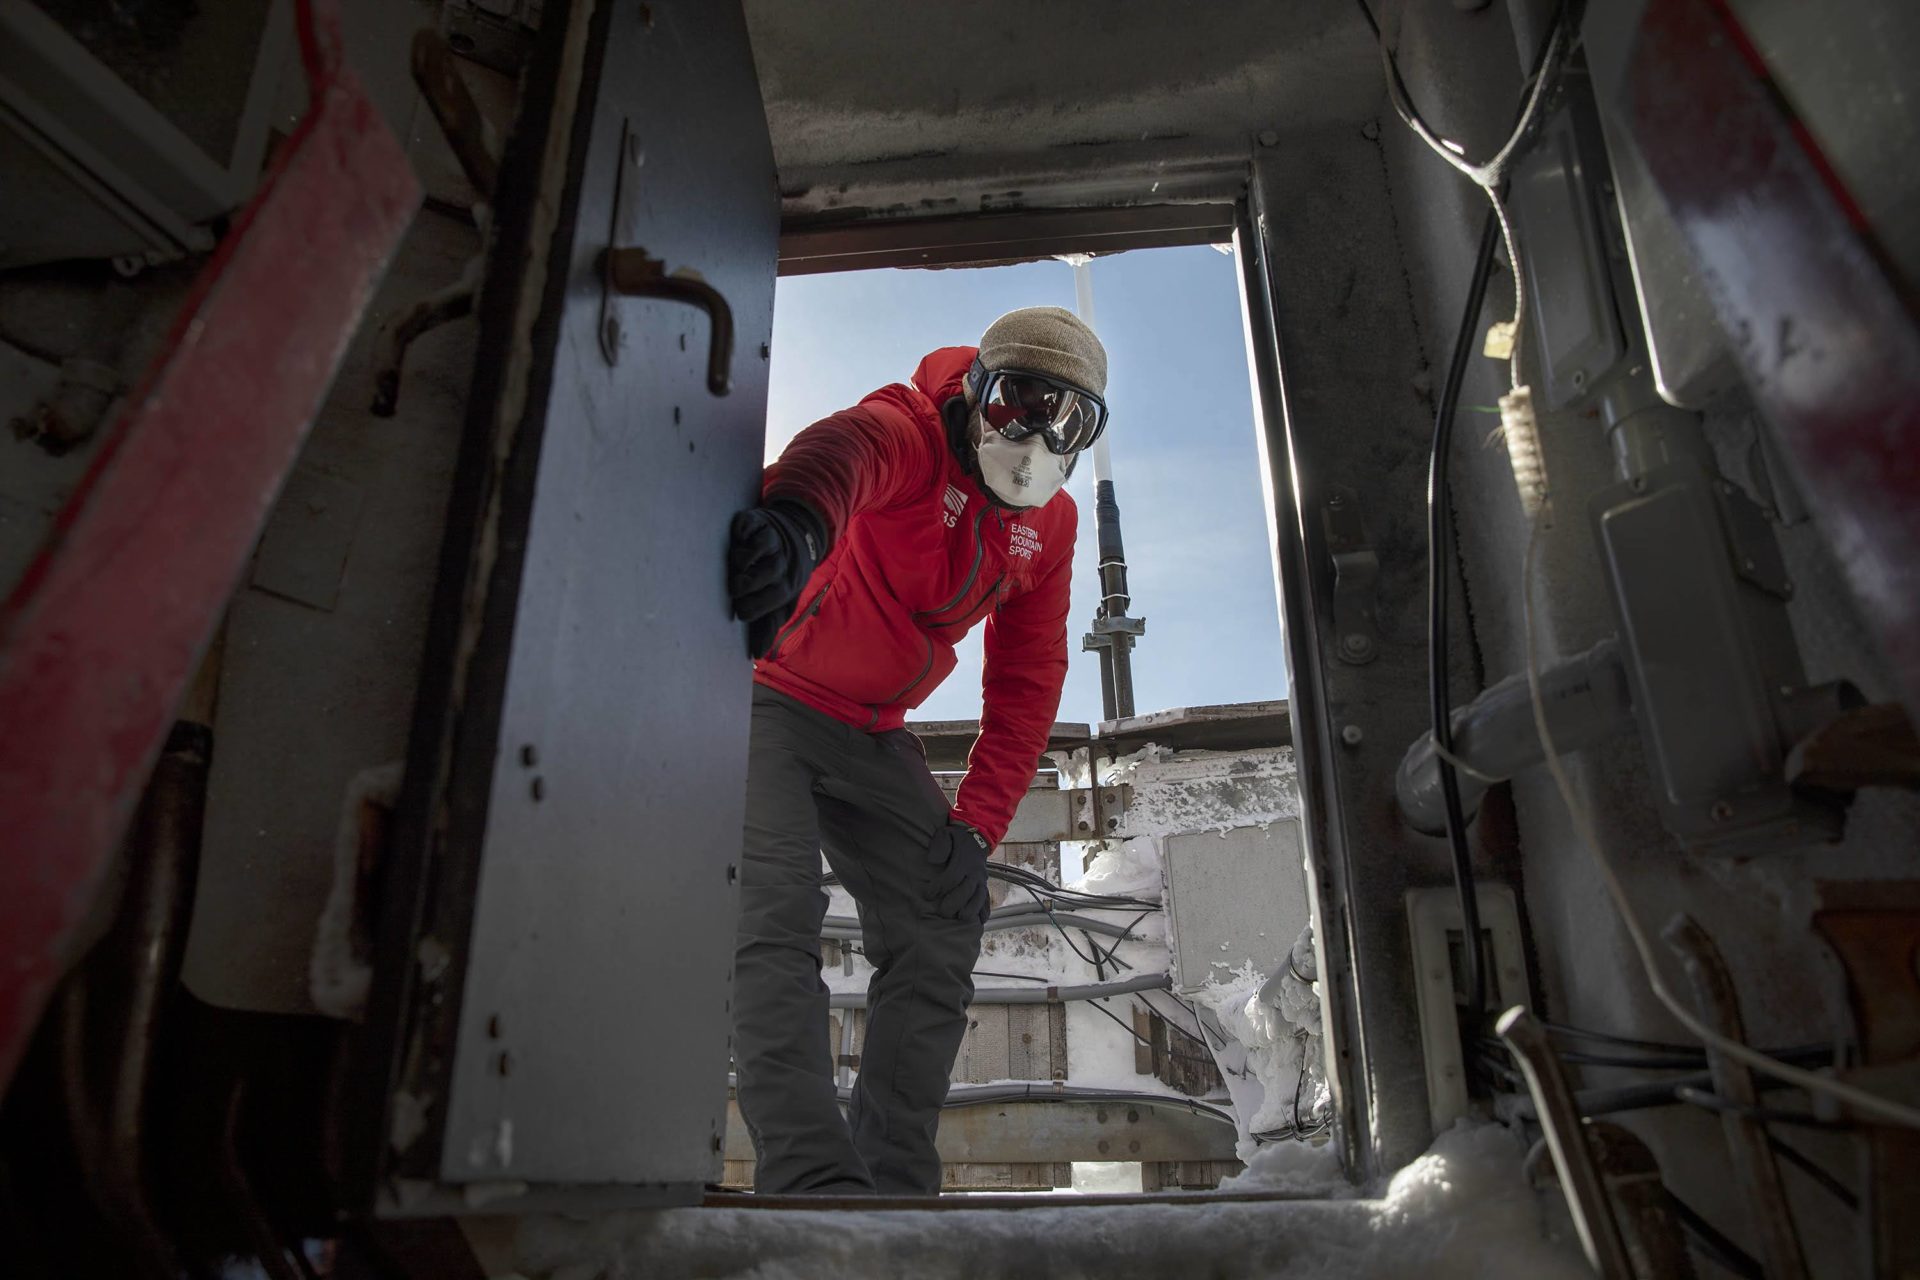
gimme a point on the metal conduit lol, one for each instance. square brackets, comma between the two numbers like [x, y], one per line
[1033, 995]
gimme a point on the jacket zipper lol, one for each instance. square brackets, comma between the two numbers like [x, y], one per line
[967, 616]
[913, 683]
[786, 633]
[979, 555]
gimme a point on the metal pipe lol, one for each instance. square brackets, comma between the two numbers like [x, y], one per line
[847, 928]
[1113, 633]
[1033, 995]
[1567, 1139]
[1494, 736]
[1754, 1166]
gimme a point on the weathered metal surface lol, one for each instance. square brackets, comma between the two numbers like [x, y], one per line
[1824, 331]
[1234, 898]
[1573, 1158]
[1240, 726]
[98, 640]
[1754, 1165]
[1874, 928]
[562, 869]
[1016, 1132]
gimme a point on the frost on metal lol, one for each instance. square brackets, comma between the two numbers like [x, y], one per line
[1240, 941]
[1462, 1211]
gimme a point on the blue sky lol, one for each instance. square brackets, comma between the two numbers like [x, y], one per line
[1185, 466]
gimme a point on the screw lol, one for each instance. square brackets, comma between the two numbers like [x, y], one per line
[1370, 130]
[1355, 645]
[1113, 824]
[733, 874]
[538, 789]
[1721, 811]
[1269, 138]
[528, 756]
[1579, 379]
[716, 1143]
[765, 351]
[1351, 734]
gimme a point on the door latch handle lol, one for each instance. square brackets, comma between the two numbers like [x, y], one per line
[633, 273]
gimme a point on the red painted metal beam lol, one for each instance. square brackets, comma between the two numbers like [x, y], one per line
[1823, 327]
[100, 638]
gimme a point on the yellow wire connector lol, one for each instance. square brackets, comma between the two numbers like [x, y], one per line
[1499, 343]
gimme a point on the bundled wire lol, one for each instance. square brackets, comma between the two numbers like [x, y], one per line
[1439, 505]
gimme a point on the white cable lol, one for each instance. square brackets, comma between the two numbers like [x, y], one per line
[1859, 1099]
[1519, 284]
[1488, 176]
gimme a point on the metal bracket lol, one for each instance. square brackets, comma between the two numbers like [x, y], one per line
[1356, 570]
[1098, 812]
[1593, 1217]
[633, 273]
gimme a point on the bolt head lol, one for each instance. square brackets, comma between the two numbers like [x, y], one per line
[1352, 735]
[1269, 138]
[1370, 130]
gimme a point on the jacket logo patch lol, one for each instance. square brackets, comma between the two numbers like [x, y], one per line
[1022, 541]
[955, 502]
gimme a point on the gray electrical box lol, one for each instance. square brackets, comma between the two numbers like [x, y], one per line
[1234, 897]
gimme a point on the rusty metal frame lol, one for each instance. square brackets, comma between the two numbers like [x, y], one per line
[101, 636]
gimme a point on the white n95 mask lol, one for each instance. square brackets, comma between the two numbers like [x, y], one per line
[1022, 473]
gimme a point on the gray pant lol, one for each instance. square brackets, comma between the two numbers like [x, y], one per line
[869, 802]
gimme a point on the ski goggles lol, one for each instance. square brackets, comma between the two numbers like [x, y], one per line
[1019, 404]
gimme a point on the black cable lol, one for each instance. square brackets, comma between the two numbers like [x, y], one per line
[1439, 533]
[1805, 1053]
[1439, 522]
[1171, 1051]
[1605, 1037]
[1801, 1161]
[1713, 1243]
[1766, 1115]
[1669, 1062]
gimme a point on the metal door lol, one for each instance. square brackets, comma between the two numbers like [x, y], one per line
[556, 940]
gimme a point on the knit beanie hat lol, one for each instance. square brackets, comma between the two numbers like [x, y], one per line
[1049, 340]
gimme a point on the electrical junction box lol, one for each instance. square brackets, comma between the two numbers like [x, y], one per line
[1439, 967]
[1234, 897]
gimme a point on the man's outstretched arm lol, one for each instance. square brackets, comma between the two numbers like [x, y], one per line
[1026, 664]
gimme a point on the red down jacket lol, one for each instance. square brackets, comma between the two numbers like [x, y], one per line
[920, 554]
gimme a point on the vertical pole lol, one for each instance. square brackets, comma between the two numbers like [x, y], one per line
[1113, 630]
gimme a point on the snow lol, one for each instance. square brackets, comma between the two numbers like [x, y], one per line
[1460, 1212]
[1274, 1020]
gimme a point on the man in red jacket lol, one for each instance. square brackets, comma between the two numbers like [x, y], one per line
[885, 533]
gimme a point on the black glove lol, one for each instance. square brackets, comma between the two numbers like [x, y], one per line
[771, 552]
[959, 857]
